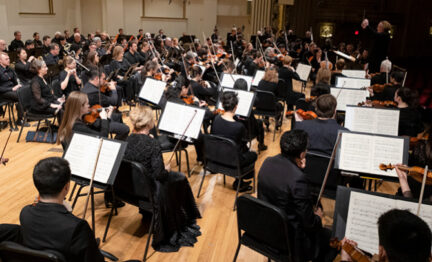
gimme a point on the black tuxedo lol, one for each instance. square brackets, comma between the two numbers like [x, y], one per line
[51, 226]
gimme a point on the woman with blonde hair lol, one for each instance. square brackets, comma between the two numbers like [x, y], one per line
[175, 221]
[269, 83]
[69, 80]
[322, 82]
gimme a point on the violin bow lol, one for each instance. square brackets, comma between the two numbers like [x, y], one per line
[92, 178]
[422, 190]
[182, 136]
[7, 141]
[328, 169]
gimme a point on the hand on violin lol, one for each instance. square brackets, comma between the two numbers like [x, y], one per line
[403, 178]
[109, 111]
[56, 106]
[202, 103]
[344, 254]
[61, 99]
[103, 115]
[111, 85]
[15, 88]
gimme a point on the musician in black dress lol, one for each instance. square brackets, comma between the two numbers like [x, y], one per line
[226, 126]
[43, 101]
[175, 220]
[379, 49]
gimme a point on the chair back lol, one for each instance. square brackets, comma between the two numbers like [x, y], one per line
[265, 101]
[56, 87]
[133, 183]
[282, 89]
[107, 69]
[221, 150]
[315, 170]
[24, 97]
[14, 252]
[263, 222]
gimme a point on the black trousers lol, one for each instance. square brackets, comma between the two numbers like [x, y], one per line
[12, 96]
[117, 127]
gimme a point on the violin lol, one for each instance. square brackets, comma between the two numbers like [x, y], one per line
[158, 76]
[189, 100]
[306, 115]
[378, 88]
[311, 99]
[378, 104]
[421, 137]
[219, 111]
[415, 172]
[93, 115]
[355, 253]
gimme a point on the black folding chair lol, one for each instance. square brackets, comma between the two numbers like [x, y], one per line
[266, 106]
[221, 156]
[25, 97]
[134, 186]
[265, 229]
[8, 107]
[14, 252]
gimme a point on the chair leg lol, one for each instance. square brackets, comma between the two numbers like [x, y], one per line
[180, 156]
[224, 180]
[76, 196]
[149, 237]
[72, 192]
[274, 132]
[108, 223]
[202, 181]
[22, 127]
[237, 192]
[37, 127]
[187, 162]
[237, 252]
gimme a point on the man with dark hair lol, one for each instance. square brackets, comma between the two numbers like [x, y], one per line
[36, 40]
[48, 224]
[46, 44]
[403, 236]
[323, 130]
[387, 94]
[282, 183]
[16, 43]
[132, 55]
[52, 57]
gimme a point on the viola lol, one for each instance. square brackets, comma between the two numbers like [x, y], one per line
[378, 104]
[355, 253]
[93, 115]
[415, 172]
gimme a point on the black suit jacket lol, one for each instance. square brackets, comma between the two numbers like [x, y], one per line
[51, 226]
[283, 184]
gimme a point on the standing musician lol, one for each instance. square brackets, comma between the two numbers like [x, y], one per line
[282, 183]
[379, 49]
[69, 80]
[107, 99]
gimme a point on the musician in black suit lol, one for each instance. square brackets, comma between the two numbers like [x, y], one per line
[52, 57]
[282, 183]
[48, 224]
[17, 42]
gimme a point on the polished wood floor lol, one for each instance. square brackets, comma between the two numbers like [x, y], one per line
[127, 235]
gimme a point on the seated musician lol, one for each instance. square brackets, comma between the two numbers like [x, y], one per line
[288, 73]
[22, 66]
[388, 93]
[256, 126]
[17, 42]
[315, 62]
[175, 223]
[269, 83]
[409, 117]
[9, 84]
[106, 99]
[69, 80]
[226, 126]
[282, 183]
[201, 89]
[48, 224]
[384, 74]
[402, 236]
[254, 63]
[132, 56]
[129, 86]
[340, 65]
[43, 101]
[52, 57]
[322, 82]
[46, 44]
[323, 130]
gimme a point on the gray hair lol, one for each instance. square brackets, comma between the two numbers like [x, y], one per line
[386, 65]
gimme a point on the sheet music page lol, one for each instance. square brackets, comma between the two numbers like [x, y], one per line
[363, 213]
[352, 82]
[106, 161]
[372, 120]
[176, 117]
[425, 210]
[303, 71]
[348, 96]
[258, 76]
[354, 73]
[364, 153]
[152, 90]
[82, 147]
[228, 82]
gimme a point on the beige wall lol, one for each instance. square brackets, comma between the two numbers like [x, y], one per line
[110, 15]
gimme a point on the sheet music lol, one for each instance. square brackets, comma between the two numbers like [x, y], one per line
[176, 117]
[354, 73]
[303, 71]
[258, 76]
[372, 120]
[244, 104]
[228, 82]
[364, 153]
[152, 90]
[82, 154]
[352, 82]
[364, 211]
[347, 96]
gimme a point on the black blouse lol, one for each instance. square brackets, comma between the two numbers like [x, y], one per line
[72, 84]
[42, 95]
[23, 71]
[122, 65]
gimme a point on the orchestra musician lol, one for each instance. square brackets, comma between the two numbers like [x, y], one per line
[22, 66]
[17, 42]
[36, 40]
[379, 49]
[339, 66]
[282, 183]
[52, 57]
[129, 85]
[384, 74]
[389, 90]
[409, 117]
[288, 73]
[69, 80]
[46, 44]
[201, 89]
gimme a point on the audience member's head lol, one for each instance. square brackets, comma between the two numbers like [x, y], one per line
[403, 236]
